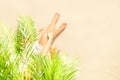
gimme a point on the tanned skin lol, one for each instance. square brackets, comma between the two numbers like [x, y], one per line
[49, 34]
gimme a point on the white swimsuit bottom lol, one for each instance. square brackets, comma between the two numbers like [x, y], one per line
[37, 47]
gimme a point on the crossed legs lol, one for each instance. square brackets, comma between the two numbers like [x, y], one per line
[49, 34]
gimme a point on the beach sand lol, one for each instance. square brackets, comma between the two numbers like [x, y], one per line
[92, 34]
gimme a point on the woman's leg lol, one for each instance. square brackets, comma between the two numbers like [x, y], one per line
[43, 37]
[56, 32]
[49, 43]
[55, 19]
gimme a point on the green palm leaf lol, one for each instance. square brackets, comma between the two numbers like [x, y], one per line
[25, 34]
[19, 62]
[6, 49]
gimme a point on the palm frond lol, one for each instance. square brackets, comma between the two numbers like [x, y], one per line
[24, 39]
[6, 49]
[25, 34]
[19, 62]
[55, 68]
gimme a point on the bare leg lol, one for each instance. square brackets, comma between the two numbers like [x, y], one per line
[43, 38]
[59, 30]
[51, 27]
[49, 43]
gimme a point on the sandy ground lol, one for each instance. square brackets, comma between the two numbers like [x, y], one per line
[93, 32]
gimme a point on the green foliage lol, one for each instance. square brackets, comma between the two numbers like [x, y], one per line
[6, 48]
[25, 34]
[53, 68]
[18, 61]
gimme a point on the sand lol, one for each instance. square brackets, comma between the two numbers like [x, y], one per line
[92, 35]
